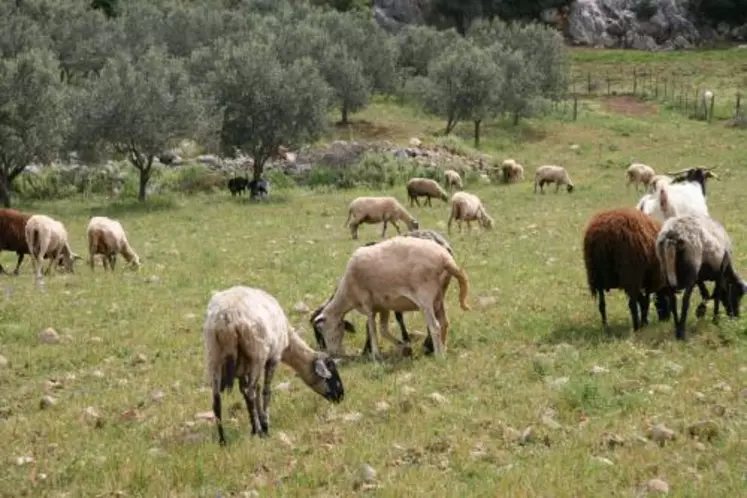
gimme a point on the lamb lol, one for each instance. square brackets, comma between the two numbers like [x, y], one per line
[399, 274]
[378, 209]
[552, 174]
[424, 187]
[13, 235]
[620, 253]
[694, 248]
[659, 180]
[639, 173]
[237, 185]
[452, 179]
[512, 171]
[107, 237]
[468, 207]
[384, 315]
[246, 333]
[48, 237]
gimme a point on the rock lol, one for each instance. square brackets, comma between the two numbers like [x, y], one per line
[153, 279]
[139, 359]
[704, 430]
[551, 423]
[526, 436]
[300, 307]
[23, 460]
[722, 386]
[283, 386]
[367, 473]
[661, 388]
[438, 398]
[657, 485]
[47, 401]
[381, 406]
[558, 383]
[660, 433]
[3, 361]
[352, 417]
[392, 14]
[205, 416]
[674, 367]
[596, 370]
[611, 440]
[131, 415]
[49, 336]
[415, 142]
[157, 396]
[604, 460]
[285, 439]
[98, 374]
[252, 493]
[93, 417]
[485, 301]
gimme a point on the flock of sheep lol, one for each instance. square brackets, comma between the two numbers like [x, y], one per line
[667, 243]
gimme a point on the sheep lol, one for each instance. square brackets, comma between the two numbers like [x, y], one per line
[384, 315]
[659, 180]
[620, 253]
[550, 174]
[468, 207]
[375, 210]
[107, 237]
[424, 187]
[48, 237]
[452, 179]
[13, 235]
[638, 173]
[246, 333]
[399, 274]
[512, 171]
[686, 194]
[693, 248]
[237, 185]
[259, 188]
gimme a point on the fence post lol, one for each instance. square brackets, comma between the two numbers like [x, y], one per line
[575, 107]
[656, 87]
[608, 84]
[635, 81]
[739, 101]
[666, 80]
[710, 111]
[588, 82]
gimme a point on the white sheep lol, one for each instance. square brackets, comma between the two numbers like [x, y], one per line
[399, 274]
[639, 173]
[375, 210]
[452, 179]
[468, 207]
[552, 174]
[686, 196]
[107, 237]
[696, 248]
[424, 187]
[47, 237]
[512, 171]
[659, 180]
[246, 334]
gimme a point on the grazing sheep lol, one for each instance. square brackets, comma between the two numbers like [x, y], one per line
[384, 314]
[512, 171]
[13, 235]
[686, 194]
[552, 174]
[259, 188]
[107, 237]
[452, 179]
[694, 248]
[246, 334]
[620, 253]
[48, 237]
[639, 173]
[468, 207]
[399, 274]
[237, 185]
[424, 187]
[375, 210]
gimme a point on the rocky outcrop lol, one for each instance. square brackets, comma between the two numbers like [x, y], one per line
[392, 14]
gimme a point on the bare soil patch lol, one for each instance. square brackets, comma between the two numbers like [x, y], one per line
[627, 104]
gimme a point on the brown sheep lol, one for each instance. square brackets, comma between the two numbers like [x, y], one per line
[424, 187]
[452, 179]
[620, 253]
[13, 235]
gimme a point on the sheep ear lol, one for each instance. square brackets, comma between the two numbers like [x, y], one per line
[349, 327]
[321, 369]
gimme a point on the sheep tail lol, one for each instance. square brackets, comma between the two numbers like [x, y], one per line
[350, 213]
[670, 259]
[461, 277]
[226, 346]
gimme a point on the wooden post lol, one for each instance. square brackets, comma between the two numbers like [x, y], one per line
[739, 101]
[710, 111]
[635, 81]
[588, 82]
[666, 80]
[608, 84]
[575, 107]
[656, 88]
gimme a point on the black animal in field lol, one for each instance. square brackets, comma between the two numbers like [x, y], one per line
[237, 185]
[259, 188]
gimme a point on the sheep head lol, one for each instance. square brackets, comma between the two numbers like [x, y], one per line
[326, 379]
[570, 188]
[329, 333]
[697, 175]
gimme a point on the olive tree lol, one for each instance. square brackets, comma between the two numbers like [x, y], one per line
[266, 103]
[462, 85]
[33, 119]
[139, 107]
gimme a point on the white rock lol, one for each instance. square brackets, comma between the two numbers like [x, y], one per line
[47, 401]
[368, 474]
[438, 398]
[157, 395]
[49, 336]
[3, 361]
[661, 388]
[283, 386]
[657, 485]
[98, 373]
[139, 358]
[205, 416]
[381, 406]
[351, 417]
[674, 367]
[551, 423]
[604, 460]
[722, 386]
[300, 307]
[558, 383]
[23, 460]
[285, 439]
[596, 370]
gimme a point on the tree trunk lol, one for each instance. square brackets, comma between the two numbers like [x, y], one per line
[516, 118]
[259, 167]
[344, 117]
[144, 178]
[477, 133]
[5, 190]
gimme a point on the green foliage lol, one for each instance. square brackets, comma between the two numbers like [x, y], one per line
[266, 103]
[419, 45]
[33, 122]
[732, 12]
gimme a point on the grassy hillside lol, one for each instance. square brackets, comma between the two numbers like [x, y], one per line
[533, 394]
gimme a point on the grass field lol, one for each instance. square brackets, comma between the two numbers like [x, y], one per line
[535, 394]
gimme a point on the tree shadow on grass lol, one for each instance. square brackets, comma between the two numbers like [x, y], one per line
[131, 206]
[589, 333]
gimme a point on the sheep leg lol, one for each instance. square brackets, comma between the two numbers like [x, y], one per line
[716, 300]
[702, 308]
[680, 330]
[264, 417]
[18, 264]
[603, 310]
[428, 201]
[395, 225]
[217, 410]
[248, 386]
[448, 224]
[644, 301]
[444, 321]
[371, 328]
[354, 230]
[434, 329]
[633, 307]
[557, 187]
[113, 260]
[383, 232]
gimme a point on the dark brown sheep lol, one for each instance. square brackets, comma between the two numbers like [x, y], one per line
[620, 253]
[13, 235]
